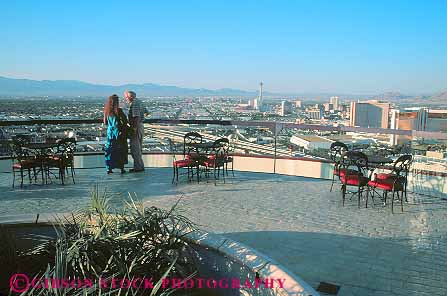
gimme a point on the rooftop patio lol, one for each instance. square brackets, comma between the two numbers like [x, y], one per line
[294, 220]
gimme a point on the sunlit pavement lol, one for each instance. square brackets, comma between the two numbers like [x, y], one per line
[294, 220]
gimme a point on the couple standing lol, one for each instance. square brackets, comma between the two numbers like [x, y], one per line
[119, 128]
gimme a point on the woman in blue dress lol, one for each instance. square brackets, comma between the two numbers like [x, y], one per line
[117, 126]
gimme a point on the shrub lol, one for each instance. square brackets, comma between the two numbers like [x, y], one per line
[136, 242]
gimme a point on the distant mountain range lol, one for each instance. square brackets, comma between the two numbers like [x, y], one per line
[27, 87]
[441, 96]
[433, 99]
[392, 96]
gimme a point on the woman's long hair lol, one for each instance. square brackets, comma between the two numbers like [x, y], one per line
[111, 107]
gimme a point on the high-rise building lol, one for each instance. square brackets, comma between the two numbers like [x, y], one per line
[415, 119]
[298, 104]
[250, 104]
[286, 108]
[259, 103]
[328, 107]
[373, 114]
[436, 121]
[419, 119]
[335, 101]
[315, 113]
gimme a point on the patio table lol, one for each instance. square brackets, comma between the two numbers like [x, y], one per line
[205, 146]
[202, 150]
[379, 162]
[42, 152]
[42, 148]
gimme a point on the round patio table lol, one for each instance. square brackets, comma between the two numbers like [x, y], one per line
[203, 148]
[202, 151]
[42, 151]
[41, 146]
[378, 162]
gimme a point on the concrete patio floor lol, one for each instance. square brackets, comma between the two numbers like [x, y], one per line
[293, 220]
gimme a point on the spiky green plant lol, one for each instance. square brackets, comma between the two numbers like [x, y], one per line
[136, 242]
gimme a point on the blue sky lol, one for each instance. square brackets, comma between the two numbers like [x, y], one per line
[293, 46]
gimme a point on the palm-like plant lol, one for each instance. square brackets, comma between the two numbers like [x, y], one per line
[137, 242]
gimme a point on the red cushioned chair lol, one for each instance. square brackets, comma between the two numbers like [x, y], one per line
[62, 159]
[215, 162]
[24, 162]
[353, 164]
[188, 163]
[395, 182]
[190, 154]
[336, 151]
[225, 143]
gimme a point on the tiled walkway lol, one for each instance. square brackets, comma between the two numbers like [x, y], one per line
[294, 220]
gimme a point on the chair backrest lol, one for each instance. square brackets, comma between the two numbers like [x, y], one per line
[336, 151]
[191, 138]
[355, 160]
[402, 164]
[220, 155]
[222, 142]
[18, 150]
[67, 146]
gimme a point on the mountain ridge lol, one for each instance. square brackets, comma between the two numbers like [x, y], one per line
[21, 86]
[30, 87]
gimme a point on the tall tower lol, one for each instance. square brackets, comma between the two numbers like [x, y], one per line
[260, 95]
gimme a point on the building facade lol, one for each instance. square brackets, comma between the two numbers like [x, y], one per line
[335, 101]
[370, 114]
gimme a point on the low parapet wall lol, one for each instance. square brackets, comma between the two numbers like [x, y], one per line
[421, 182]
[224, 258]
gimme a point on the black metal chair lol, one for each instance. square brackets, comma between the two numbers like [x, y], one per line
[225, 144]
[336, 151]
[62, 159]
[190, 153]
[68, 146]
[24, 161]
[215, 162]
[407, 161]
[190, 138]
[395, 181]
[189, 164]
[355, 167]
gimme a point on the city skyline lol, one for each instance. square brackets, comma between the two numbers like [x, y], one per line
[295, 47]
[42, 88]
